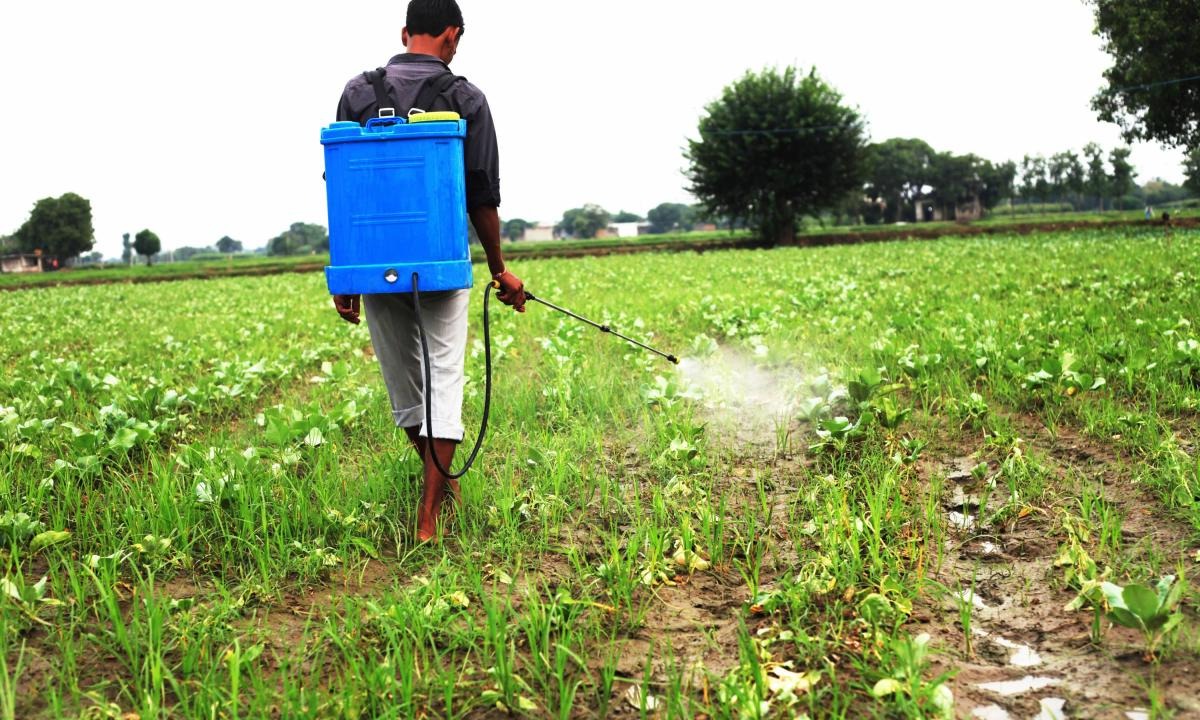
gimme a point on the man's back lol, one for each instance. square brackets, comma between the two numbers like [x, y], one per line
[406, 75]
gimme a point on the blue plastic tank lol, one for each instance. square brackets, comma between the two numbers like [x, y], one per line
[397, 205]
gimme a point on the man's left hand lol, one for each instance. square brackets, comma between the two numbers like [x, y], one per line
[348, 307]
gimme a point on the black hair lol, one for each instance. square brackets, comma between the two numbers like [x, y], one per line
[432, 17]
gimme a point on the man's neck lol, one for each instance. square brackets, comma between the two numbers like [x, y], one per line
[427, 45]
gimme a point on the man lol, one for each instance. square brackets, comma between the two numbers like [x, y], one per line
[432, 32]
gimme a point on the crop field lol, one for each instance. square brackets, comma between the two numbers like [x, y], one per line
[905, 480]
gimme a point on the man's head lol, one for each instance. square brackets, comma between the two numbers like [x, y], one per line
[433, 27]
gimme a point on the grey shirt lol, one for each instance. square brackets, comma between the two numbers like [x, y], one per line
[405, 75]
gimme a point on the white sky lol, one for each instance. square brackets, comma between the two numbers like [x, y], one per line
[199, 120]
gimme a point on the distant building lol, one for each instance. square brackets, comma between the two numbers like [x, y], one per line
[538, 233]
[928, 210]
[23, 263]
[626, 229]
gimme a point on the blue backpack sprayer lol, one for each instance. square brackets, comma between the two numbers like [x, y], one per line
[398, 221]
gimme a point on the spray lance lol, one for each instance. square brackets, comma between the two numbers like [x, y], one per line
[487, 361]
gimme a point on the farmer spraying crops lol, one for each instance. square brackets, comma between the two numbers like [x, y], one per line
[421, 79]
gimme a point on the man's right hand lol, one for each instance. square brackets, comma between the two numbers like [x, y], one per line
[511, 290]
[348, 307]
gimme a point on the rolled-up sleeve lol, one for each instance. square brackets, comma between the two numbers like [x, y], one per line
[482, 159]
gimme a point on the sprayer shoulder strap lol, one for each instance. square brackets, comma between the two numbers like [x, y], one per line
[383, 99]
[432, 88]
[435, 87]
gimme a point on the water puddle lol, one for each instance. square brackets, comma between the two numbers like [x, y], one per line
[1029, 683]
[976, 602]
[960, 521]
[960, 469]
[1052, 709]
[990, 712]
[962, 501]
[1022, 655]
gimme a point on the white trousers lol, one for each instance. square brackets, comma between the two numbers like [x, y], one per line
[397, 344]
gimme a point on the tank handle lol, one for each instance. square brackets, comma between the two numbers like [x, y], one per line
[374, 123]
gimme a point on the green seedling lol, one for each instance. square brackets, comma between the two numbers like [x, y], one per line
[905, 682]
[909, 452]
[18, 528]
[29, 599]
[964, 600]
[888, 414]
[836, 435]
[1154, 612]
[973, 410]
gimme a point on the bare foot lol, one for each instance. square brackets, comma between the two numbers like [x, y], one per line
[427, 515]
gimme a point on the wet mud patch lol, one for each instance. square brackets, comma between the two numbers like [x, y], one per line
[1111, 473]
[696, 620]
[1028, 657]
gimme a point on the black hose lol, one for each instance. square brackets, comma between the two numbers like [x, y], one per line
[487, 392]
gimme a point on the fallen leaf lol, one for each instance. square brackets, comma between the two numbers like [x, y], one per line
[634, 697]
[787, 682]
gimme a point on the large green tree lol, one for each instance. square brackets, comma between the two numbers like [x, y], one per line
[1097, 177]
[1120, 182]
[1035, 184]
[60, 228]
[897, 171]
[584, 222]
[666, 217]
[1152, 92]
[1066, 175]
[147, 244]
[776, 146]
[624, 216]
[228, 245]
[961, 179]
[515, 229]
[299, 239]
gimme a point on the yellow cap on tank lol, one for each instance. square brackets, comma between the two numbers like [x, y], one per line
[434, 117]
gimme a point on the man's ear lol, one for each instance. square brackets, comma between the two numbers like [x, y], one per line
[404, 36]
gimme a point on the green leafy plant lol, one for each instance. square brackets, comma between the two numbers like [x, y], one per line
[905, 681]
[836, 435]
[30, 599]
[1154, 612]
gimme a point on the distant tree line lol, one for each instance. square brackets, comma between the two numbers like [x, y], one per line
[300, 239]
[778, 146]
[903, 178]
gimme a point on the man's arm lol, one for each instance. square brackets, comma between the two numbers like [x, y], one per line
[346, 305]
[486, 220]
